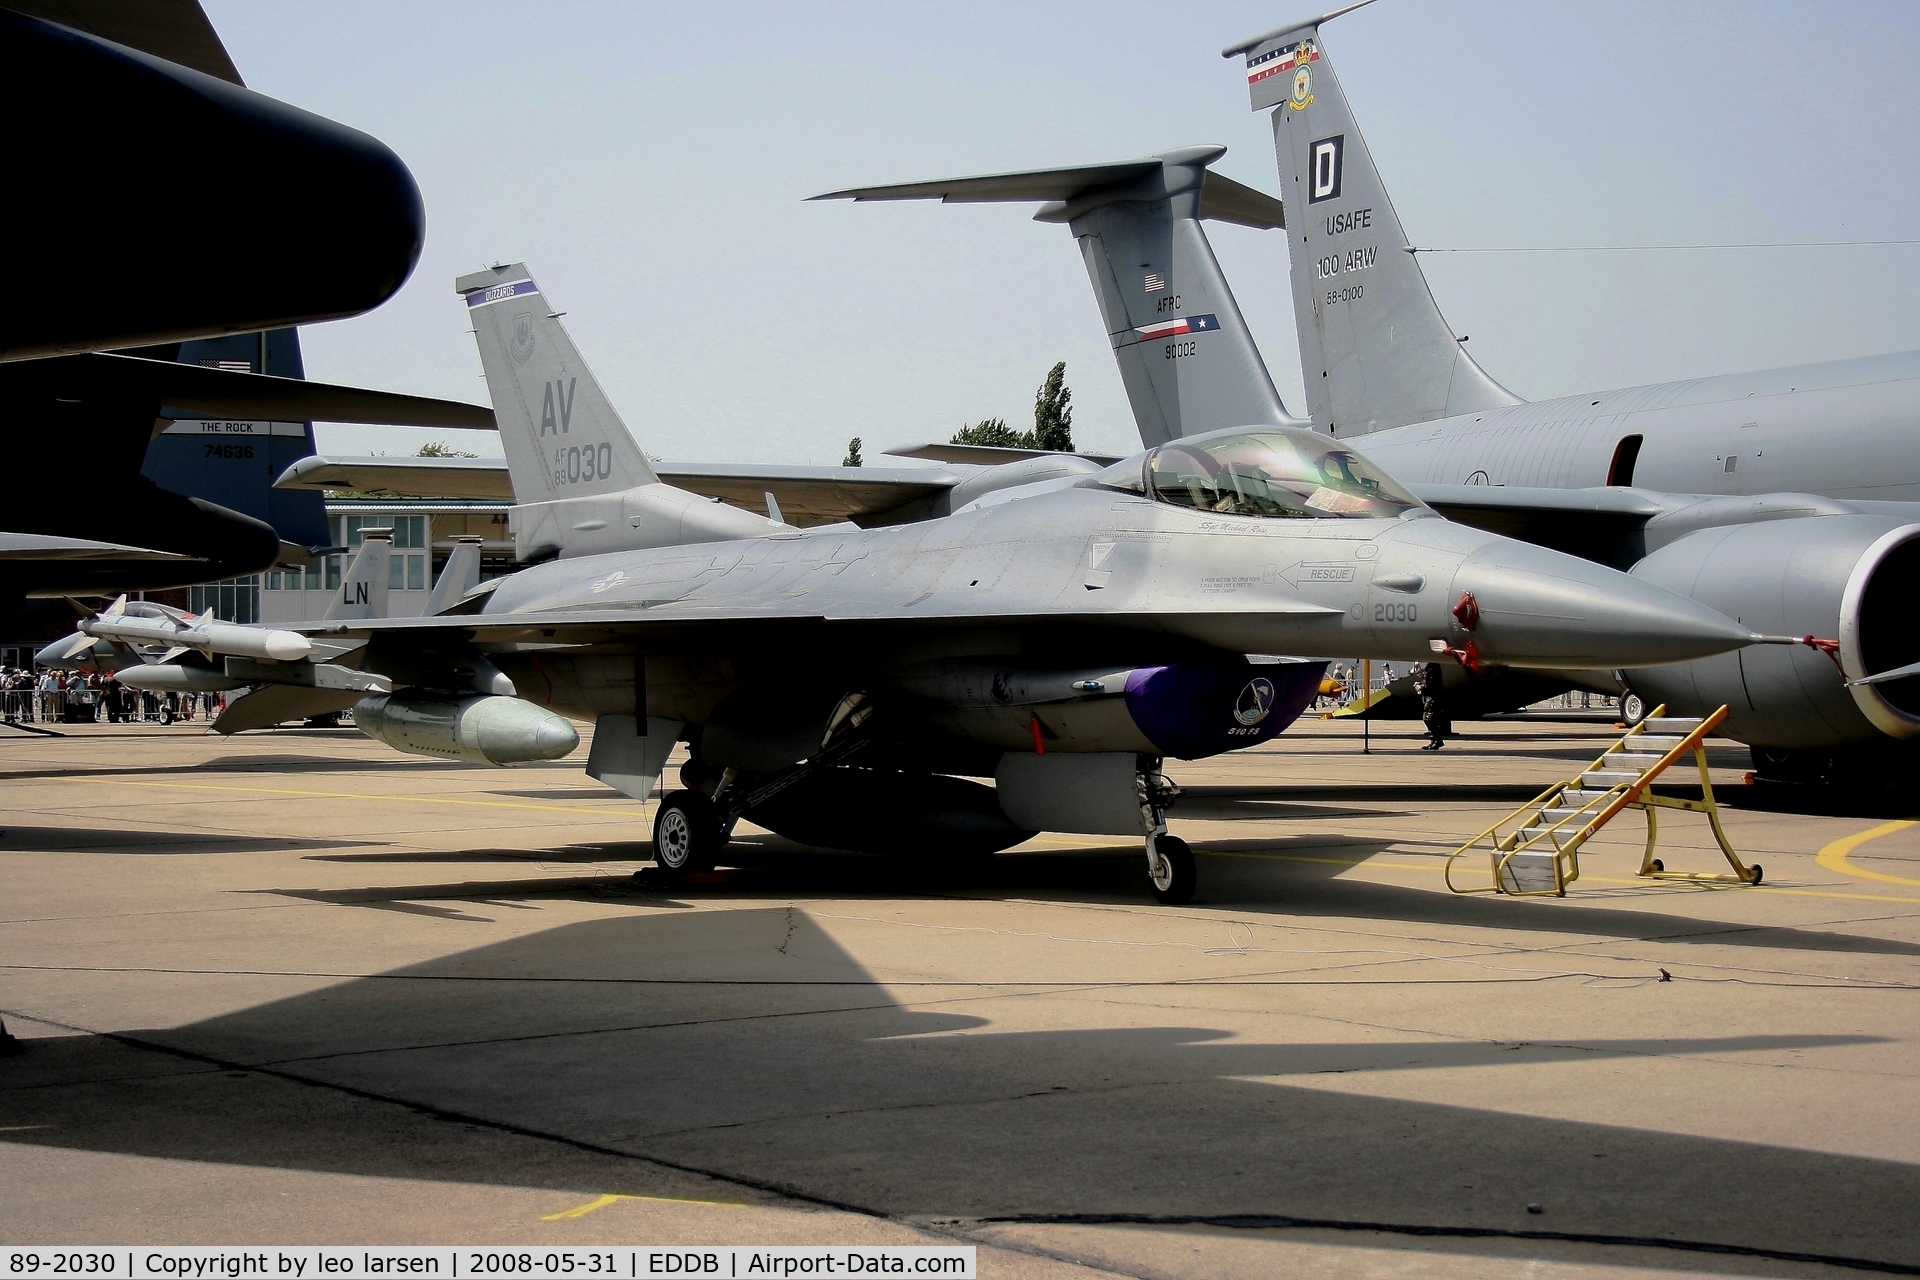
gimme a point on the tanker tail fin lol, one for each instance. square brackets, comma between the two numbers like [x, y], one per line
[1375, 352]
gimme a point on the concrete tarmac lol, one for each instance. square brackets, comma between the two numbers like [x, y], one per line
[292, 987]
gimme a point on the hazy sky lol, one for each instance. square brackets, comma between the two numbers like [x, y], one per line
[650, 163]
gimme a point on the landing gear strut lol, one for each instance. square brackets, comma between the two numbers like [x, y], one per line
[1171, 871]
[691, 829]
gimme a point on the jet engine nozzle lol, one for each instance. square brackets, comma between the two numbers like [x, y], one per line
[489, 729]
[1542, 608]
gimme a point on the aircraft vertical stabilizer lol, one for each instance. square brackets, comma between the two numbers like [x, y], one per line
[363, 589]
[460, 575]
[1186, 357]
[560, 433]
[1375, 351]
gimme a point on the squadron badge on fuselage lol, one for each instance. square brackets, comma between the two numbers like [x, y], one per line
[1254, 702]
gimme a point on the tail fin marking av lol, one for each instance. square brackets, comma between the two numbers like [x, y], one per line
[562, 436]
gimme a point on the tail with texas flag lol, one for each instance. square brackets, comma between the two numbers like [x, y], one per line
[1187, 360]
[1375, 352]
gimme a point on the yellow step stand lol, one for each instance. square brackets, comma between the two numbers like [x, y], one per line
[1535, 850]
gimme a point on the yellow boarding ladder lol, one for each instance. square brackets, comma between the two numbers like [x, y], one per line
[1539, 852]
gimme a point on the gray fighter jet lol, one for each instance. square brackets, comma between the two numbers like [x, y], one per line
[844, 687]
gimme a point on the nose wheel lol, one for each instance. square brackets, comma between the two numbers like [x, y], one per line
[1171, 870]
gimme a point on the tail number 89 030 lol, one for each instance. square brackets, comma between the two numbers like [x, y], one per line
[578, 463]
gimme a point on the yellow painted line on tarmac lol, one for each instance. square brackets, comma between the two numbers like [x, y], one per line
[345, 795]
[582, 1210]
[1771, 889]
[1834, 856]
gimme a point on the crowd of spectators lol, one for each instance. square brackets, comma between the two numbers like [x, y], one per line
[78, 697]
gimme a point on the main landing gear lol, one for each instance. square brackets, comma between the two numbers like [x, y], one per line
[688, 834]
[692, 829]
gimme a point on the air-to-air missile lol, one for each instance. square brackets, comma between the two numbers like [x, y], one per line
[205, 634]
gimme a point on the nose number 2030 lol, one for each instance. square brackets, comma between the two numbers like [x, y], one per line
[1396, 613]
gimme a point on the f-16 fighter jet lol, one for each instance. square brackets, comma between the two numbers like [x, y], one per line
[847, 688]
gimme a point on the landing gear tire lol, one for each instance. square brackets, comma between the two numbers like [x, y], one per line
[1171, 870]
[687, 835]
[1633, 708]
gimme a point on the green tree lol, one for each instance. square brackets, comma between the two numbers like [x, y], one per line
[441, 449]
[853, 458]
[1053, 412]
[1052, 421]
[994, 433]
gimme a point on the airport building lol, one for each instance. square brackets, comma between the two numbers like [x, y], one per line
[423, 534]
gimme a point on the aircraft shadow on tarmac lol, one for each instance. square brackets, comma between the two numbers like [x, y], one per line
[21, 838]
[751, 1046]
[1296, 876]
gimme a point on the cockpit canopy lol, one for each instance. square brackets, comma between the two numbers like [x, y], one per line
[1272, 471]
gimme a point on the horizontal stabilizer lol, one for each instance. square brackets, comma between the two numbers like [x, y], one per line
[191, 390]
[1224, 200]
[1074, 189]
[1025, 185]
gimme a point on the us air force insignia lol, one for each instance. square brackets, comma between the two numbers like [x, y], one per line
[522, 345]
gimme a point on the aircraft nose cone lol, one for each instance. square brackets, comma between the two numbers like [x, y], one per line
[1541, 608]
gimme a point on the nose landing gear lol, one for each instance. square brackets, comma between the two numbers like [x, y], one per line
[1170, 868]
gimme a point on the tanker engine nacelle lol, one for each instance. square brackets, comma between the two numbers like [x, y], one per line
[1851, 577]
[488, 729]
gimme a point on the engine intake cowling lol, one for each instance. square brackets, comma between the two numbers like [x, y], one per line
[1850, 577]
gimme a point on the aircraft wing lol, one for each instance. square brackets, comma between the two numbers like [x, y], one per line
[807, 495]
[194, 391]
[985, 455]
[41, 546]
[404, 477]
[674, 627]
